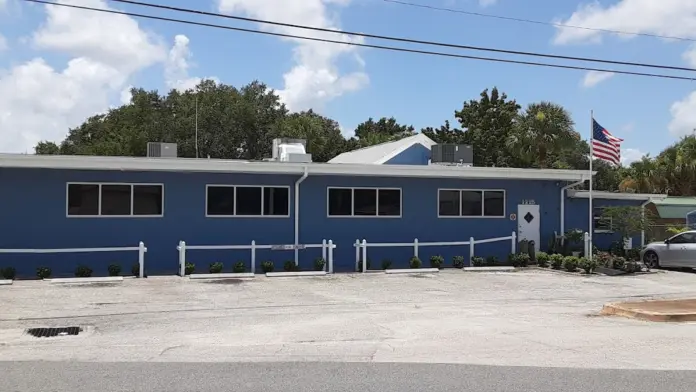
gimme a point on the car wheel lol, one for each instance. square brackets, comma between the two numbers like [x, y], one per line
[651, 260]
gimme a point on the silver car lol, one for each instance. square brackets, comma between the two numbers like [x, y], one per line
[678, 251]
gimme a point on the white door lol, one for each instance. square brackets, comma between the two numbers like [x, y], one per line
[528, 228]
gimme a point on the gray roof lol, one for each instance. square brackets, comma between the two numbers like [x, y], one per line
[383, 152]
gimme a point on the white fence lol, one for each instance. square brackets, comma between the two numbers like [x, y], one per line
[362, 246]
[140, 248]
[327, 248]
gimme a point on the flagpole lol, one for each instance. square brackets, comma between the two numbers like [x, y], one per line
[590, 227]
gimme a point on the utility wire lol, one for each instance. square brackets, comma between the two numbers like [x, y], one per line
[404, 40]
[539, 22]
[390, 48]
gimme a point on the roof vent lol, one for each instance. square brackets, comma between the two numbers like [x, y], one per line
[161, 150]
[290, 150]
[452, 154]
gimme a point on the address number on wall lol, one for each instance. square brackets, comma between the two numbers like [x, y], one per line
[529, 201]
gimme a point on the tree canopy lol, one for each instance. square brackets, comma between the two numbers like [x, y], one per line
[241, 122]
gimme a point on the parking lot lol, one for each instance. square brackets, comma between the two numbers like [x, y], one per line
[532, 318]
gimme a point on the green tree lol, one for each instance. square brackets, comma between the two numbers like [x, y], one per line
[323, 135]
[628, 220]
[373, 132]
[445, 134]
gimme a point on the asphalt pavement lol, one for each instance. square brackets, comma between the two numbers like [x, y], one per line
[322, 377]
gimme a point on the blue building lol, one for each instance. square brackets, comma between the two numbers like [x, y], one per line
[391, 195]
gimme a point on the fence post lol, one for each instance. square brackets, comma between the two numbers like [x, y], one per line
[514, 243]
[357, 254]
[141, 258]
[323, 252]
[253, 256]
[471, 249]
[364, 256]
[182, 258]
[588, 251]
[415, 247]
[330, 261]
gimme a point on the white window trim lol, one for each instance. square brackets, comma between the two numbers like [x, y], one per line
[99, 203]
[207, 186]
[352, 206]
[597, 218]
[483, 201]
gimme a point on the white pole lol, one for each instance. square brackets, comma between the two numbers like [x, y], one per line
[415, 247]
[182, 258]
[471, 249]
[590, 228]
[357, 254]
[330, 261]
[364, 256]
[141, 258]
[323, 252]
[514, 243]
[196, 123]
[253, 256]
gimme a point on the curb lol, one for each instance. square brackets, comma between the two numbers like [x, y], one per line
[105, 279]
[489, 269]
[618, 310]
[5, 282]
[295, 274]
[412, 271]
[222, 275]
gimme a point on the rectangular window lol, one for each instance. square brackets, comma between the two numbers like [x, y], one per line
[364, 202]
[247, 201]
[601, 224]
[115, 200]
[471, 203]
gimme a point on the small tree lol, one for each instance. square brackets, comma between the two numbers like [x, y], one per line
[627, 220]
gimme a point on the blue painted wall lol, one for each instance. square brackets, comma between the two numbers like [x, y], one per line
[577, 217]
[33, 215]
[417, 154]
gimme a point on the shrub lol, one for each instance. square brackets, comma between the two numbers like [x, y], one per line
[83, 271]
[556, 261]
[604, 259]
[289, 266]
[415, 262]
[587, 265]
[239, 267]
[458, 261]
[135, 269]
[319, 264]
[189, 268]
[437, 261]
[114, 270]
[570, 263]
[542, 259]
[491, 261]
[267, 266]
[216, 268]
[8, 273]
[478, 261]
[360, 264]
[618, 262]
[43, 272]
[523, 260]
[633, 254]
[632, 266]
[386, 264]
[617, 248]
[512, 257]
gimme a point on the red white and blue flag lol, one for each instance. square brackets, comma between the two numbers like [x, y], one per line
[605, 146]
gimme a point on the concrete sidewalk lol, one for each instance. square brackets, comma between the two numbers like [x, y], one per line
[678, 310]
[531, 318]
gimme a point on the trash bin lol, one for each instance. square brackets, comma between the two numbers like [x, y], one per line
[532, 251]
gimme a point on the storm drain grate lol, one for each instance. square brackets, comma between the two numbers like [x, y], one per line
[53, 332]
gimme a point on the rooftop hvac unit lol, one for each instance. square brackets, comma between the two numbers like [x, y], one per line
[161, 150]
[290, 150]
[454, 154]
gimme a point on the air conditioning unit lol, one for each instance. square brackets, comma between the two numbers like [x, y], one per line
[290, 150]
[161, 150]
[452, 154]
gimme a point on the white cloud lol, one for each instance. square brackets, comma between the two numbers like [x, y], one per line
[39, 102]
[593, 78]
[630, 155]
[176, 69]
[315, 78]
[126, 96]
[667, 17]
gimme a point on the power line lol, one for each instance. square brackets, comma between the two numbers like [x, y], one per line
[405, 40]
[390, 48]
[539, 22]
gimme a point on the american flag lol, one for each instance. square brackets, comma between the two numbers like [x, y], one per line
[605, 146]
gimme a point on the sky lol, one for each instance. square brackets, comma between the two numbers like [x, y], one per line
[59, 66]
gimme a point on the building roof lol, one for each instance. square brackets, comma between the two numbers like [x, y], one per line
[652, 197]
[383, 152]
[75, 162]
[675, 207]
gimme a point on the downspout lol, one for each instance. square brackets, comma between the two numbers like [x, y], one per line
[563, 197]
[642, 214]
[297, 214]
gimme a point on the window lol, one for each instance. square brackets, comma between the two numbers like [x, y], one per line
[115, 200]
[601, 224]
[247, 201]
[364, 202]
[471, 203]
[684, 238]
